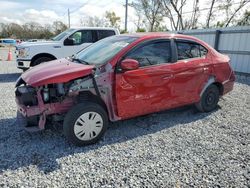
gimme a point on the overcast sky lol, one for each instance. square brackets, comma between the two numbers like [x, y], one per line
[47, 11]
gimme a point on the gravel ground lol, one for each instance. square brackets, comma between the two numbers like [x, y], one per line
[176, 148]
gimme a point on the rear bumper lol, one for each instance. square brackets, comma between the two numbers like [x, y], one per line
[229, 84]
[23, 63]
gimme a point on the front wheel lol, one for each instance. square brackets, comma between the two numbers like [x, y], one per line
[209, 99]
[41, 60]
[85, 123]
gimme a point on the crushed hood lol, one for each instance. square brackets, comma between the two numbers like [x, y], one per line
[57, 71]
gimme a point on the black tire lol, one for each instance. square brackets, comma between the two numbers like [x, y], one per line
[209, 99]
[74, 114]
[25, 69]
[41, 60]
[32, 121]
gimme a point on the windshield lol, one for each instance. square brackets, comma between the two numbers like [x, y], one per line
[105, 49]
[62, 35]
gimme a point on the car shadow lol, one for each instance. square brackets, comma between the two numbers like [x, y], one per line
[9, 77]
[245, 80]
[44, 149]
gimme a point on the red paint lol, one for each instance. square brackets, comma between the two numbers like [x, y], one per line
[139, 90]
[58, 71]
[159, 87]
[129, 64]
[164, 86]
[51, 108]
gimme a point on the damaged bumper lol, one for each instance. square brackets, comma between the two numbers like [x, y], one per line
[30, 103]
[229, 84]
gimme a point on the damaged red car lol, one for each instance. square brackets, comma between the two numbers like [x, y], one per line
[122, 77]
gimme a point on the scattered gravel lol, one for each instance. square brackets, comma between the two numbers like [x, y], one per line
[175, 148]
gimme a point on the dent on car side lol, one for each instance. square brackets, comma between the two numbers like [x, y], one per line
[57, 87]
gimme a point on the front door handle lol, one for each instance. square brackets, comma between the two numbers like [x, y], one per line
[205, 69]
[167, 77]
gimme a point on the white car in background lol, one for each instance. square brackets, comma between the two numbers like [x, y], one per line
[65, 44]
[7, 42]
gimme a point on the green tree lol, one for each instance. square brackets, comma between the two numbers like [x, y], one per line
[30, 30]
[113, 20]
[245, 19]
[230, 10]
[58, 27]
[140, 30]
[152, 9]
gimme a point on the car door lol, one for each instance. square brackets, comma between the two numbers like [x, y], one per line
[193, 57]
[146, 89]
[82, 39]
[101, 34]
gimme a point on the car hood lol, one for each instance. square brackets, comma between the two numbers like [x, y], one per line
[57, 71]
[39, 43]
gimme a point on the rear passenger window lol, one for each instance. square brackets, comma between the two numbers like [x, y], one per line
[83, 36]
[152, 53]
[104, 33]
[203, 51]
[187, 50]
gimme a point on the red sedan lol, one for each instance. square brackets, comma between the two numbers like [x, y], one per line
[122, 77]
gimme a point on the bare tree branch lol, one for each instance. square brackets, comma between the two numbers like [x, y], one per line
[152, 10]
[242, 4]
[174, 5]
[210, 13]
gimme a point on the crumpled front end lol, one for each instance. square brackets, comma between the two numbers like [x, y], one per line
[50, 99]
[41, 102]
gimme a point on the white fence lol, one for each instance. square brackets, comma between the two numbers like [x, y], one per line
[233, 41]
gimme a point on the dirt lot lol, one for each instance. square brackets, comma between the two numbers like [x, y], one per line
[176, 148]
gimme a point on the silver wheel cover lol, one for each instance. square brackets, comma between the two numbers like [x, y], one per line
[88, 126]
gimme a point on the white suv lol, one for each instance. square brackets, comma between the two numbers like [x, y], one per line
[65, 44]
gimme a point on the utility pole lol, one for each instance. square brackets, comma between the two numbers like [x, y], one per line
[69, 17]
[126, 15]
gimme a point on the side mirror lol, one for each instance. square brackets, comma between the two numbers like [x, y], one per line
[129, 64]
[69, 42]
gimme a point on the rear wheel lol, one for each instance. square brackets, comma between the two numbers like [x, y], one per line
[41, 60]
[85, 123]
[209, 99]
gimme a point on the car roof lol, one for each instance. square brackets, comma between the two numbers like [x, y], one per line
[168, 35]
[160, 34]
[99, 28]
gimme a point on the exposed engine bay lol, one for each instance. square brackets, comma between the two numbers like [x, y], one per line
[52, 101]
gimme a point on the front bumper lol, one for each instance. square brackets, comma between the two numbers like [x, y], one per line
[42, 109]
[23, 63]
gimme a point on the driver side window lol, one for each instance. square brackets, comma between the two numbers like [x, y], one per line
[81, 37]
[153, 53]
